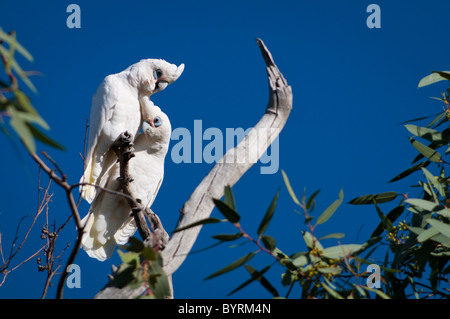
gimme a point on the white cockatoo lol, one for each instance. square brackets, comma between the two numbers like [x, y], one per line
[109, 221]
[116, 109]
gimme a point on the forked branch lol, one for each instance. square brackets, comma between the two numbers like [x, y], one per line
[228, 170]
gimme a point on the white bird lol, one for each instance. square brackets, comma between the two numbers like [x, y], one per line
[109, 221]
[116, 109]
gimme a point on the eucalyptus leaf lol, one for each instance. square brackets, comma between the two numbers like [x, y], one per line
[410, 170]
[227, 237]
[311, 241]
[23, 131]
[427, 234]
[371, 198]
[237, 263]
[268, 216]
[424, 204]
[330, 270]
[229, 197]
[228, 212]
[10, 39]
[333, 235]
[268, 242]
[440, 226]
[44, 138]
[257, 276]
[434, 77]
[341, 251]
[426, 151]
[433, 180]
[331, 209]
[210, 220]
[289, 187]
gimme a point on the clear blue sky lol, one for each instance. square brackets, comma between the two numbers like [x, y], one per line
[352, 87]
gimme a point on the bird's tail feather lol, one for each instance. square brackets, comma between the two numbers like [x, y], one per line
[103, 231]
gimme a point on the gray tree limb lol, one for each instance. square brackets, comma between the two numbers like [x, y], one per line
[232, 166]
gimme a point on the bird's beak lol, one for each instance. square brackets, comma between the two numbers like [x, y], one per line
[161, 84]
[147, 124]
[174, 76]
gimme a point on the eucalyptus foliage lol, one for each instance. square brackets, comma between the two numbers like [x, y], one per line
[24, 119]
[413, 236]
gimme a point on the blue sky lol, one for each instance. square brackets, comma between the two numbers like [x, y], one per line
[352, 88]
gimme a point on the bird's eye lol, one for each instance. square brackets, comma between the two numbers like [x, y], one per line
[157, 74]
[157, 121]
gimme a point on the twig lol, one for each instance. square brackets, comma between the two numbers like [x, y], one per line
[62, 181]
[123, 148]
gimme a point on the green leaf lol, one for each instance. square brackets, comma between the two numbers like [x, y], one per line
[425, 132]
[311, 241]
[424, 204]
[391, 217]
[30, 118]
[131, 258]
[331, 209]
[384, 220]
[341, 251]
[44, 138]
[433, 180]
[227, 237]
[134, 245]
[303, 260]
[23, 102]
[332, 292]
[228, 212]
[311, 199]
[23, 130]
[229, 197]
[11, 39]
[257, 276]
[330, 270]
[333, 235]
[268, 216]
[426, 234]
[239, 262]
[443, 228]
[434, 77]
[290, 190]
[210, 220]
[410, 170]
[369, 199]
[160, 286]
[426, 151]
[268, 241]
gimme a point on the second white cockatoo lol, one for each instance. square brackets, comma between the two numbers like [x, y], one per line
[116, 109]
[109, 221]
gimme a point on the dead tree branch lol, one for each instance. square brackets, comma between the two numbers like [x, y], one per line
[229, 169]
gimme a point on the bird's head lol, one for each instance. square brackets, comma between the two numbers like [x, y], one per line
[154, 75]
[156, 124]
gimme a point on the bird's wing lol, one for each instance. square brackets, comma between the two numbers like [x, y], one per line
[115, 109]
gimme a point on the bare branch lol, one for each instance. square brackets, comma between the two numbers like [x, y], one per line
[123, 148]
[229, 170]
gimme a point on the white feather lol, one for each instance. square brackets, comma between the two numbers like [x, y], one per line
[116, 109]
[109, 222]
